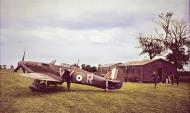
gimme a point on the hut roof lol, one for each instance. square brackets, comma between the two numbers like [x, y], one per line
[142, 62]
[113, 64]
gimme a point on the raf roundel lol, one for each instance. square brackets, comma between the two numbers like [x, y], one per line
[79, 78]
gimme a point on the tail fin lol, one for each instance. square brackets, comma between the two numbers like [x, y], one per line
[116, 74]
[115, 78]
[121, 74]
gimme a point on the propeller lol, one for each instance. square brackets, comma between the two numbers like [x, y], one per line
[23, 55]
[17, 68]
[21, 65]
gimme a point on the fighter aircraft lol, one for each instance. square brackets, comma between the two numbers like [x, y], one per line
[48, 74]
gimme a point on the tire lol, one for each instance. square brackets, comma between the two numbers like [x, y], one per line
[42, 86]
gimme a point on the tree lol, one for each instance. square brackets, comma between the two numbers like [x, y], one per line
[4, 66]
[89, 68]
[150, 45]
[179, 58]
[12, 67]
[175, 37]
[93, 69]
[83, 66]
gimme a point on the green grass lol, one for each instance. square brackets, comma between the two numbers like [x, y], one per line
[16, 97]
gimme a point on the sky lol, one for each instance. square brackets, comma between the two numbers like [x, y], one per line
[91, 31]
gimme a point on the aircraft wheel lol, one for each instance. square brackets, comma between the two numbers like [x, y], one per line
[32, 88]
[42, 86]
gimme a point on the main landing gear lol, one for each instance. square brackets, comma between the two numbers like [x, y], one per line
[42, 85]
[38, 85]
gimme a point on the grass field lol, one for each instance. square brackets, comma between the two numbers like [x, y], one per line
[15, 97]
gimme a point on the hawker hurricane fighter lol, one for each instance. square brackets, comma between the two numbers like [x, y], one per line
[48, 74]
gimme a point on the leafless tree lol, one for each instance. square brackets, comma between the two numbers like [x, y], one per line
[175, 36]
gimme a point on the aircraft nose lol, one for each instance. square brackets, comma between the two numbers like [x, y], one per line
[18, 67]
[20, 63]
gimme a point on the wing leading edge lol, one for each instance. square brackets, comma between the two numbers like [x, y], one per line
[41, 76]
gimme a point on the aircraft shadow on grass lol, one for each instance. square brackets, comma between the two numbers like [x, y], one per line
[23, 93]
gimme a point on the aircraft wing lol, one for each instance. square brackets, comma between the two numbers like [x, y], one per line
[41, 76]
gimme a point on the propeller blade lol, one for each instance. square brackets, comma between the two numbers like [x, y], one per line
[23, 56]
[16, 69]
[23, 70]
[20, 64]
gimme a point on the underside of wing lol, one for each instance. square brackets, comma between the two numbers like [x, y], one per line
[41, 76]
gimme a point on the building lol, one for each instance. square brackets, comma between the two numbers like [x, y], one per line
[142, 70]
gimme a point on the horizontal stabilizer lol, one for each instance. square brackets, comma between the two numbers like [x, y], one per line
[114, 81]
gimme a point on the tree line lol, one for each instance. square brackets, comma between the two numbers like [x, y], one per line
[89, 68]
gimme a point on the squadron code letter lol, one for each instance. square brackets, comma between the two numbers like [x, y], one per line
[89, 79]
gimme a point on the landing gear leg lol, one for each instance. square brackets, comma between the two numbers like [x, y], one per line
[106, 90]
[34, 86]
[38, 85]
